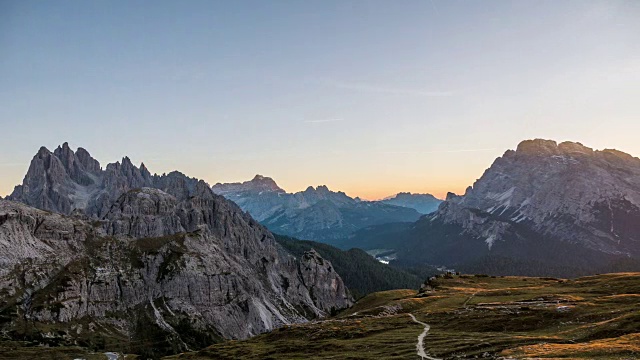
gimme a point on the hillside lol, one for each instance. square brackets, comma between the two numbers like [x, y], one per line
[593, 317]
[383, 236]
[361, 273]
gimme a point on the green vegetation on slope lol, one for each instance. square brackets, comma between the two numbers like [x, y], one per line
[594, 317]
[16, 350]
[361, 273]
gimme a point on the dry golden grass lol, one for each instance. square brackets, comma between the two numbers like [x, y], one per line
[626, 345]
[596, 317]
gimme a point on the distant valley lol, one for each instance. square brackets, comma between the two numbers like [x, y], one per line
[318, 213]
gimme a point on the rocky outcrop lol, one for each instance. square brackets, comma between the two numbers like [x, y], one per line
[315, 213]
[319, 277]
[144, 258]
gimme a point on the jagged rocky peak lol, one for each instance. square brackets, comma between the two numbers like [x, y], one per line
[79, 166]
[264, 183]
[126, 175]
[162, 249]
[560, 169]
[322, 188]
[543, 147]
[311, 196]
[543, 209]
[88, 162]
[46, 184]
[452, 196]
[74, 182]
[565, 191]
[258, 184]
[144, 171]
[264, 180]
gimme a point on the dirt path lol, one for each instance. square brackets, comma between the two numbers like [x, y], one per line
[420, 344]
[468, 299]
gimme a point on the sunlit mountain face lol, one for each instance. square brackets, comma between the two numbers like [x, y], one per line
[543, 209]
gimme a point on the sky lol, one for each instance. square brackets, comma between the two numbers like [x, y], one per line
[367, 97]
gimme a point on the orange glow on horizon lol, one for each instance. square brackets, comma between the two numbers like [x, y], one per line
[440, 193]
[372, 192]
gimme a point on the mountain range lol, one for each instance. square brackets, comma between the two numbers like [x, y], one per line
[118, 258]
[422, 203]
[542, 209]
[316, 213]
[153, 264]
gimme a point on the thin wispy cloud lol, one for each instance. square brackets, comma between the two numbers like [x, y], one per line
[320, 121]
[362, 87]
[441, 151]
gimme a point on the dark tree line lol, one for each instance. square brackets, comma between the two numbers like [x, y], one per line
[361, 273]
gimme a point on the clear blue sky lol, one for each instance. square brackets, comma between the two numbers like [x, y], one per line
[369, 97]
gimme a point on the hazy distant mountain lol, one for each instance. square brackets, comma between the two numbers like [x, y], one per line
[316, 213]
[423, 203]
[161, 256]
[544, 208]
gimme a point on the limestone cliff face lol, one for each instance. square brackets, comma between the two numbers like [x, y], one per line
[201, 259]
[145, 257]
[319, 277]
[564, 205]
[566, 190]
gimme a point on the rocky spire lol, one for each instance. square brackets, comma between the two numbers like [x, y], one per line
[88, 162]
[64, 181]
[45, 185]
[72, 165]
[144, 171]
